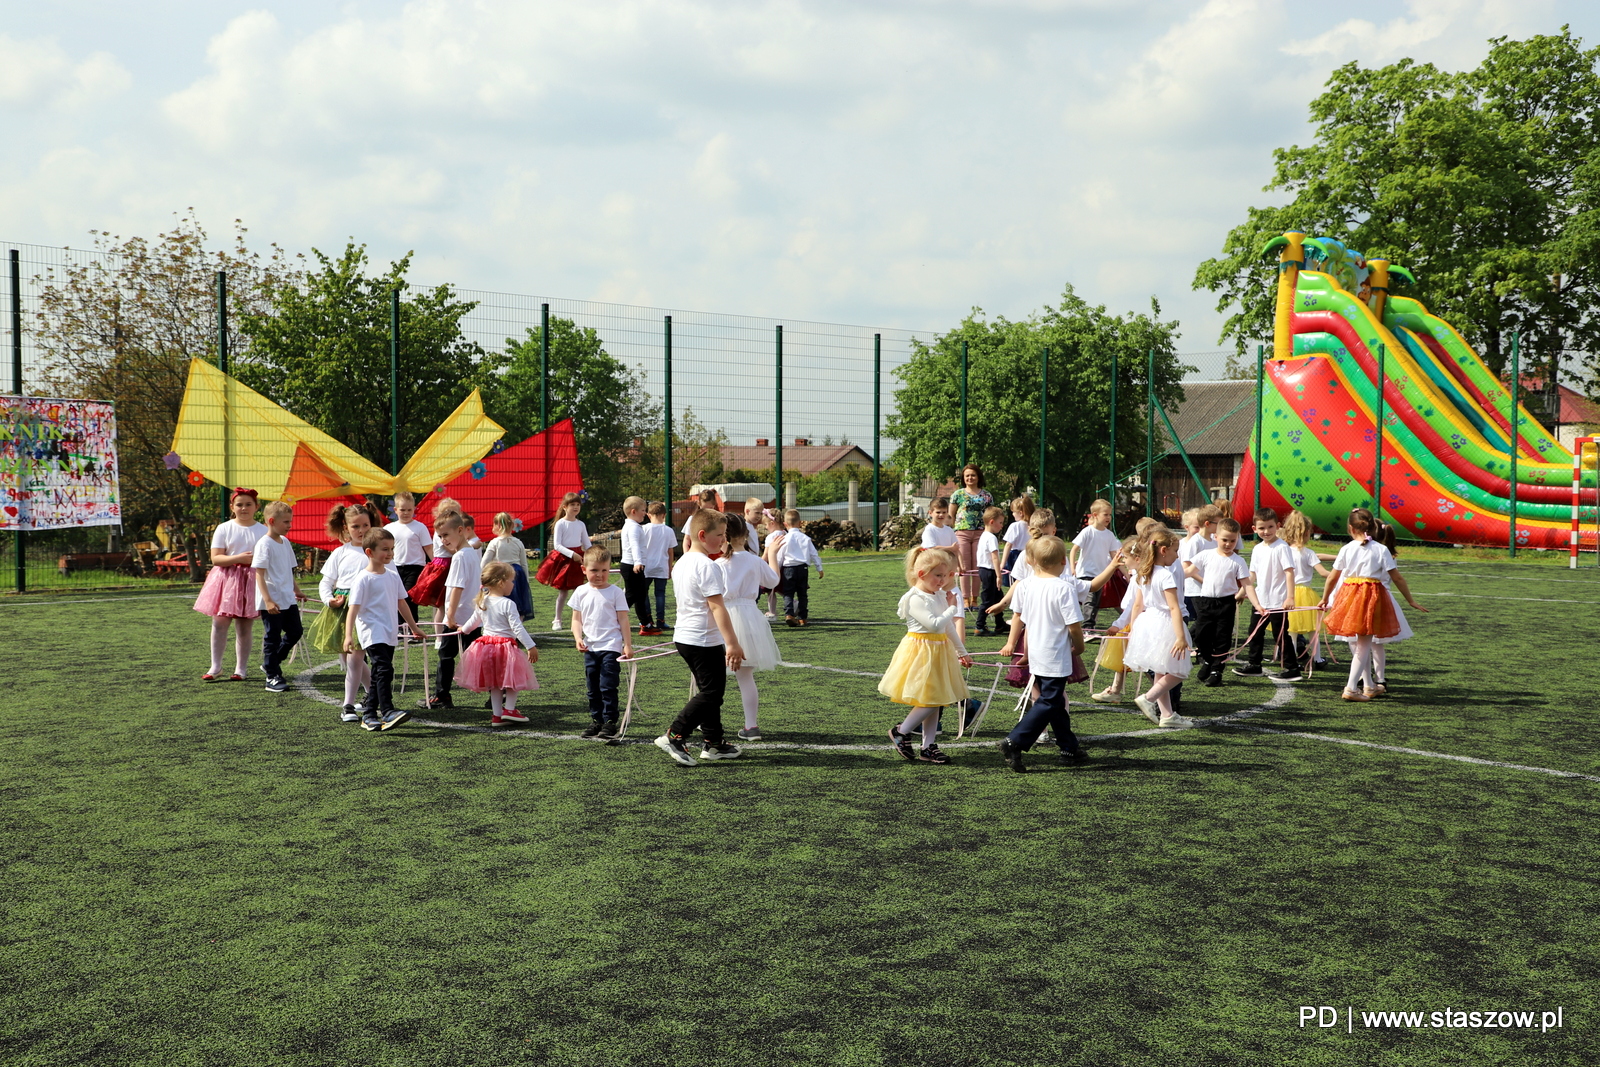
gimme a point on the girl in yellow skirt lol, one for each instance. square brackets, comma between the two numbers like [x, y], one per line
[1364, 609]
[1115, 641]
[1296, 533]
[926, 670]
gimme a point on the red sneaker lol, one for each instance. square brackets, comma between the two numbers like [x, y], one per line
[513, 715]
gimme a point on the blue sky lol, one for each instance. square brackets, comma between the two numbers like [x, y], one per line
[876, 162]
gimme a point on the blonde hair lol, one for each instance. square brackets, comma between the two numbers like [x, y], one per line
[405, 496]
[1023, 504]
[445, 505]
[1133, 551]
[449, 524]
[633, 503]
[754, 501]
[920, 560]
[1191, 517]
[493, 574]
[1045, 552]
[1038, 521]
[1145, 525]
[597, 554]
[504, 524]
[1157, 539]
[991, 514]
[1296, 529]
[278, 507]
[1100, 505]
[791, 517]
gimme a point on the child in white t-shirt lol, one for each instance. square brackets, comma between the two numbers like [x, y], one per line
[635, 552]
[989, 567]
[1048, 606]
[413, 544]
[937, 534]
[1272, 568]
[276, 595]
[461, 585]
[601, 631]
[705, 641]
[500, 660]
[659, 544]
[1157, 639]
[1091, 552]
[1016, 538]
[372, 628]
[794, 557]
[1223, 579]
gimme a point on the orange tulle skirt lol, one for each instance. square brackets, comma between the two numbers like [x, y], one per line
[1363, 606]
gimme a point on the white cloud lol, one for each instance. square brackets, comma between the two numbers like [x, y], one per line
[39, 72]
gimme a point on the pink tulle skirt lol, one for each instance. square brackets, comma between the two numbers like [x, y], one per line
[229, 593]
[496, 663]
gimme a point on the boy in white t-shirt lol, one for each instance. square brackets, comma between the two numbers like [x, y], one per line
[936, 534]
[600, 630]
[1272, 569]
[659, 543]
[1091, 553]
[413, 544]
[1048, 607]
[990, 562]
[1223, 579]
[635, 551]
[461, 586]
[705, 641]
[372, 625]
[1197, 524]
[272, 561]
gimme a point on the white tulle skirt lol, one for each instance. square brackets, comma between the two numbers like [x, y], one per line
[755, 634]
[1150, 645]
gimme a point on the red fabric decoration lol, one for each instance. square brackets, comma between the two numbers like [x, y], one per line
[527, 480]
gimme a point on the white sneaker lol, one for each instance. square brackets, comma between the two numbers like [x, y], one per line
[1151, 710]
[1108, 696]
[555, 624]
[1175, 720]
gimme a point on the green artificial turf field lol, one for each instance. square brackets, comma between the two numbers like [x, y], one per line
[211, 874]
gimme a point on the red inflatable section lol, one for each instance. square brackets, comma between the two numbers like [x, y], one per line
[527, 480]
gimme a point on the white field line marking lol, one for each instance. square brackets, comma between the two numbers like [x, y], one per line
[1530, 599]
[1233, 720]
[64, 601]
[1524, 577]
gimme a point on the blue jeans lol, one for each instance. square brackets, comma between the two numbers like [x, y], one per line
[1049, 710]
[600, 673]
[660, 587]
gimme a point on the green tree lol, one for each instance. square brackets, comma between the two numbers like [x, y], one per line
[1485, 183]
[1003, 398]
[322, 351]
[602, 395]
[123, 327]
[696, 458]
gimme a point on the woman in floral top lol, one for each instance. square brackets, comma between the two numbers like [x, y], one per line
[968, 504]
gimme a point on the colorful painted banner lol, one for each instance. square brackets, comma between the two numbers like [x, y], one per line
[58, 464]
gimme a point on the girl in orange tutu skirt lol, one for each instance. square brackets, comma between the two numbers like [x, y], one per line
[500, 662]
[1364, 610]
[229, 594]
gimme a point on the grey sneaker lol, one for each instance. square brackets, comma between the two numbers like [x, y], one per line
[674, 747]
[371, 721]
[719, 750]
[752, 734]
[392, 719]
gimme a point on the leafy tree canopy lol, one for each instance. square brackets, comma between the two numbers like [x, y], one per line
[1485, 183]
[1003, 409]
[322, 351]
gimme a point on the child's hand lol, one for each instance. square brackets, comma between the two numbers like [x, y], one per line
[1414, 604]
[1180, 647]
[966, 661]
[299, 596]
[533, 655]
[583, 646]
[950, 598]
[271, 606]
[627, 650]
[349, 647]
[336, 602]
[638, 568]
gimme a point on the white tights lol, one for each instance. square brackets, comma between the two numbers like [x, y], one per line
[748, 695]
[561, 601]
[241, 643]
[928, 719]
[357, 674]
[1161, 692]
[1361, 663]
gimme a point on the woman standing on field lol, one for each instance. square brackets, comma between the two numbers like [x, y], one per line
[968, 504]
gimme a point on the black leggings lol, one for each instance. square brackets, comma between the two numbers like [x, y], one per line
[703, 712]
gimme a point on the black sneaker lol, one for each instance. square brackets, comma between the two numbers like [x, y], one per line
[901, 743]
[712, 750]
[393, 718]
[1286, 677]
[609, 730]
[1012, 755]
[931, 754]
[438, 703]
[1075, 756]
[277, 685]
[349, 714]
[1204, 672]
[675, 747]
[1248, 670]
[1002, 630]
[592, 732]
[371, 721]
[1215, 681]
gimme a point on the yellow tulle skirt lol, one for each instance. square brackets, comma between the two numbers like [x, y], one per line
[925, 672]
[1304, 622]
[1112, 646]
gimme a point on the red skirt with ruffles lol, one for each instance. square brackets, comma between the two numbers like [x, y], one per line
[561, 572]
[429, 586]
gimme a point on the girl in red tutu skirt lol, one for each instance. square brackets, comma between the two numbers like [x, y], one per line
[1364, 609]
[500, 662]
[562, 569]
[429, 586]
[229, 594]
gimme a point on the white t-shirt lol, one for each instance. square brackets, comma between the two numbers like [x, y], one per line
[1016, 537]
[277, 559]
[409, 537]
[570, 538]
[1095, 549]
[231, 539]
[1365, 559]
[1188, 549]
[340, 569]
[744, 573]
[466, 574]
[938, 536]
[694, 578]
[988, 544]
[659, 543]
[1047, 606]
[1155, 596]
[635, 538]
[932, 613]
[506, 549]
[601, 630]
[1220, 575]
[798, 550]
[375, 598]
[1128, 597]
[499, 618]
[1305, 565]
[1178, 578]
[1268, 561]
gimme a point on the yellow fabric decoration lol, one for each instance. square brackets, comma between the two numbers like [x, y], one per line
[464, 437]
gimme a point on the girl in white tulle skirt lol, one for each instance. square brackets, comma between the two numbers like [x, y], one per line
[229, 594]
[746, 575]
[500, 661]
[1157, 639]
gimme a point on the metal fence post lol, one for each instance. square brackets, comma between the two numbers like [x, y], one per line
[222, 365]
[544, 413]
[778, 440]
[1377, 462]
[1044, 413]
[962, 459]
[1516, 418]
[1113, 482]
[666, 451]
[19, 537]
[1150, 434]
[394, 381]
[877, 392]
[1261, 359]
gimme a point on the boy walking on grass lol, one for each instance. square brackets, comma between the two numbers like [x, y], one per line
[1272, 568]
[1224, 581]
[705, 640]
[276, 594]
[601, 632]
[372, 625]
[1048, 607]
[796, 555]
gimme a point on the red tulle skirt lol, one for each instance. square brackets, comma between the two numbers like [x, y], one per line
[495, 663]
[229, 593]
[429, 586]
[1363, 606]
[561, 572]
[1114, 590]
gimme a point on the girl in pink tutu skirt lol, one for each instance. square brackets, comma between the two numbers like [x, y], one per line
[496, 662]
[229, 594]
